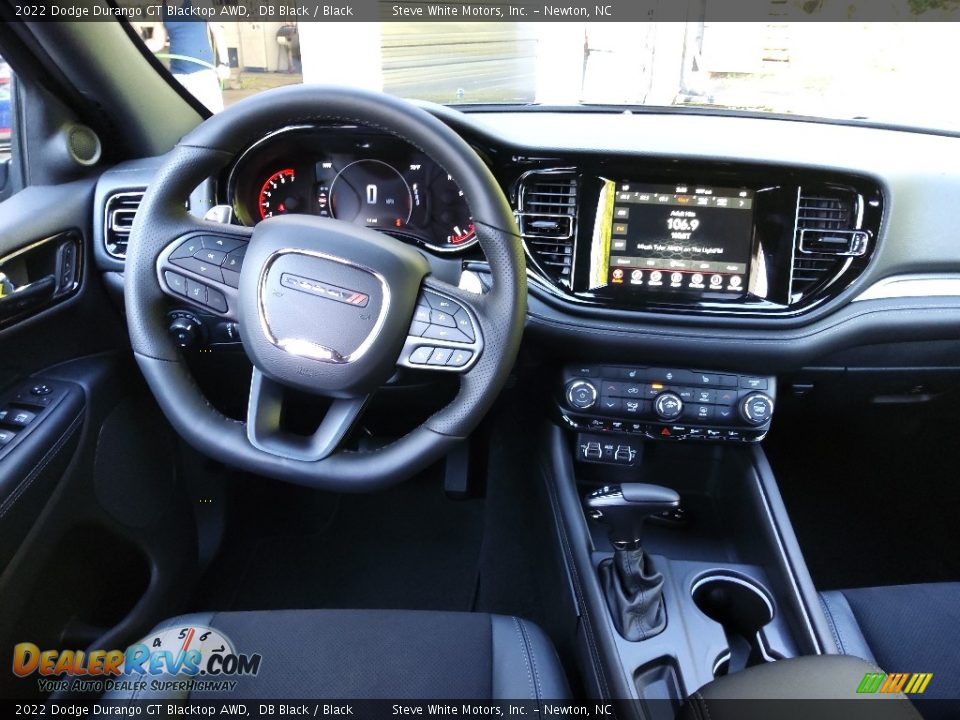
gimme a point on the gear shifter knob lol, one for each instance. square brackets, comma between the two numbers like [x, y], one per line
[623, 508]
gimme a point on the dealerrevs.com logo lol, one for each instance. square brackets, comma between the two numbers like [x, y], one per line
[193, 658]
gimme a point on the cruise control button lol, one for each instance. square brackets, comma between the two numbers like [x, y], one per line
[216, 300]
[422, 314]
[196, 291]
[421, 356]
[234, 259]
[187, 248]
[418, 328]
[443, 318]
[204, 269]
[226, 245]
[441, 303]
[459, 358]
[176, 283]
[437, 332]
[465, 325]
[440, 356]
[231, 278]
[6, 436]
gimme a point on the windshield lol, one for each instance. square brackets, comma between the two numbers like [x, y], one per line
[885, 72]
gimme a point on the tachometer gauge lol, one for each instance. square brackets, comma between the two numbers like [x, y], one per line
[450, 214]
[279, 195]
[372, 193]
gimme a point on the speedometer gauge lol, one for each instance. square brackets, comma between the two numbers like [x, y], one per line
[279, 194]
[372, 193]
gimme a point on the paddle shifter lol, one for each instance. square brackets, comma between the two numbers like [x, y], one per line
[634, 591]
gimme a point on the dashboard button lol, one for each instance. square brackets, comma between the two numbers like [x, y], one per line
[440, 356]
[188, 248]
[727, 380]
[705, 396]
[216, 300]
[610, 406]
[581, 394]
[756, 408]
[668, 406]
[459, 358]
[421, 356]
[726, 397]
[686, 394]
[6, 436]
[753, 383]
[611, 388]
[634, 407]
[698, 412]
[214, 257]
[724, 413]
[585, 371]
[176, 283]
[224, 244]
[666, 375]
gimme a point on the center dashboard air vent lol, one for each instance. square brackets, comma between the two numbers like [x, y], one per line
[829, 235]
[547, 216]
[118, 220]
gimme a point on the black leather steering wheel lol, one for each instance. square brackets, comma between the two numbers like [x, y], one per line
[323, 306]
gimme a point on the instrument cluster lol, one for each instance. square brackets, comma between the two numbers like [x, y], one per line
[355, 175]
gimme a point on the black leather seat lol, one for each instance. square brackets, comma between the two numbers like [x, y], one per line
[381, 654]
[905, 629]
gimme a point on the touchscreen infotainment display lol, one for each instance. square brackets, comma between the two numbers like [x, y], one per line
[687, 239]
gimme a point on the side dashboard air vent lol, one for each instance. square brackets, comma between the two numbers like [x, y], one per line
[547, 216]
[118, 219]
[828, 236]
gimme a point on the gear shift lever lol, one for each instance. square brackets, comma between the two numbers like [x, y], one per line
[634, 591]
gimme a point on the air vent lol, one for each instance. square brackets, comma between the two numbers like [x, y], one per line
[118, 219]
[547, 215]
[828, 236]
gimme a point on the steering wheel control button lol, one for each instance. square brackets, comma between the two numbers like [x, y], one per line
[438, 302]
[187, 249]
[421, 356]
[234, 260]
[214, 257]
[581, 394]
[200, 267]
[756, 408]
[459, 358]
[224, 244]
[196, 291]
[176, 283]
[438, 332]
[668, 406]
[230, 278]
[216, 300]
[422, 314]
[442, 318]
[440, 356]
[417, 328]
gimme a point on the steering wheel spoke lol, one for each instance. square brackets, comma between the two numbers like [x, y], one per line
[202, 267]
[446, 332]
[264, 431]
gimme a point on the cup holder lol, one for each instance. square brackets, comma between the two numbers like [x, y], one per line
[742, 607]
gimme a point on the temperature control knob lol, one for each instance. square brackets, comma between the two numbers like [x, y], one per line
[756, 408]
[581, 394]
[668, 406]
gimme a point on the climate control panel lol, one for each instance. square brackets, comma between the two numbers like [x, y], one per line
[668, 404]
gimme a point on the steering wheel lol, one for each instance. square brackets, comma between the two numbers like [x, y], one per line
[323, 306]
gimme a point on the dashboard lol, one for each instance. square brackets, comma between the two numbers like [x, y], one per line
[354, 175]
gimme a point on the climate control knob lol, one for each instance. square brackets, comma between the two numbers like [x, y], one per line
[756, 408]
[668, 406]
[581, 394]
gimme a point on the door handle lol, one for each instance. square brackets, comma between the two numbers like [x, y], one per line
[16, 301]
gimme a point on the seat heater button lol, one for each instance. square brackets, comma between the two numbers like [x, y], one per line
[440, 356]
[421, 356]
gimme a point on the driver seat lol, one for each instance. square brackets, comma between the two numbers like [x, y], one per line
[371, 654]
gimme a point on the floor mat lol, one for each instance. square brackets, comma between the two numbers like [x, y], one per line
[409, 547]
[874, 500]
